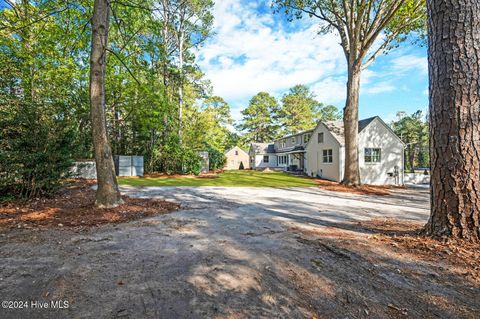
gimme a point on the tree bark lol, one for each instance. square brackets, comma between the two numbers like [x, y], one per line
[351, 175]
[107, 194]
[454, 69]
[180, 87]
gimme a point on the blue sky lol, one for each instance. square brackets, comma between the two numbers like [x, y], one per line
[255, 50]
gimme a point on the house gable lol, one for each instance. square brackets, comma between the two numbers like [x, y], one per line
[378, 135]
[321, 127]
[315, 165]
[235, 148]
[379, 120]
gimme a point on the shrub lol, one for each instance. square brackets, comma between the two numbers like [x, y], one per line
[241, 166]
[173, 158]
[216, 158]
[192, 162]
[36, 146]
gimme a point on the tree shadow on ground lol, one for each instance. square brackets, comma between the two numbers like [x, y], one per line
[234, 258]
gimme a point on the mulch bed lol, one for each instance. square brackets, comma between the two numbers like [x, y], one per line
[74, 206]
[407, 236]
[359, 190]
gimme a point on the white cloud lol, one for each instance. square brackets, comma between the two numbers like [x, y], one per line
[331, 90]
[380, 87]
[250, 53]
[407, 63]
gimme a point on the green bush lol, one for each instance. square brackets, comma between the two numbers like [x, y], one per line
[216, 158]
[36, 146]
[192, 162]
[173, 158]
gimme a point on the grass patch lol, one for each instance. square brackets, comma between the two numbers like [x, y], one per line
[246, 178]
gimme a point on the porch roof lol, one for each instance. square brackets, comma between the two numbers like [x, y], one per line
[295, 150]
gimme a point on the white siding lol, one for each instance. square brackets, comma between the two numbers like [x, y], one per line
[376, 135]
[233, 161]
[314, 155]
[289, 143]
[272, 161]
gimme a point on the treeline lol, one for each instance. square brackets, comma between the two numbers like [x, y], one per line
[266, 118]
[413, 130]
[158, 103]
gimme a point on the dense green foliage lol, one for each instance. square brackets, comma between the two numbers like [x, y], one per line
[265, 119]
[234, 178]
[42, 100]
[44, 68]
[301, 111]
[35, 148]
[216, 159]
[413, 130]
[259, 118]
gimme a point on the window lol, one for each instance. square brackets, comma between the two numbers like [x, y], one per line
[282, 159]
[236, 152]
[372, 155]
[284, 142]
[306, 138]
[328, 156]
[265, 158]
[320, 137]
[294, 140]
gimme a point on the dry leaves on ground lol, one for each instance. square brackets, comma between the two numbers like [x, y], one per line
[74, 206]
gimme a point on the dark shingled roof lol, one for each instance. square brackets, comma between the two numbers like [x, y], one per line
[336, 128]
[363, 123]
[263, 148]
[298, 133]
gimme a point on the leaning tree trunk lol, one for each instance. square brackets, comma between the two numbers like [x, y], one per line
[107, 194]
[454, 68]
[350, 122]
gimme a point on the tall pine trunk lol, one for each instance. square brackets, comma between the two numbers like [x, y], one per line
[180, 87]
[107, 194]
[350, 122]
[454, 69]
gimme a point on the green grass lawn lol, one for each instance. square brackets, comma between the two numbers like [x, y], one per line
[244, 178]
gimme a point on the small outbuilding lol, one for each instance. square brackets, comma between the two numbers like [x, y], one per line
[236, 159]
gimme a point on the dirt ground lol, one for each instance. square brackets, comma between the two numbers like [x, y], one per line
[247, 253]
[73, 206]
[361, 190]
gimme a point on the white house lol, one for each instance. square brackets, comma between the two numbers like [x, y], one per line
[262, 155]
[235, 158]
[321, 152]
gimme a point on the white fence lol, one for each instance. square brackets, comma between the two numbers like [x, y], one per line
[124, 166]
[87, 170]
[414, 178]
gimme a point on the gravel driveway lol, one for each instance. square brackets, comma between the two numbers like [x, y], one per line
[230, 253]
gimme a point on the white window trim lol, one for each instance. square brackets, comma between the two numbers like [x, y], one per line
[372, 163]
[323, 138]
[331, 156]
[306, 140]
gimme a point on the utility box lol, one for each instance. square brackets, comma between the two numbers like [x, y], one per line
[128, 165]
[205, 162]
